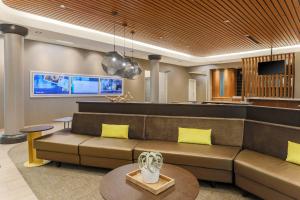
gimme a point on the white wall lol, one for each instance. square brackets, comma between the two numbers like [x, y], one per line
[1, 82]
[39, 56]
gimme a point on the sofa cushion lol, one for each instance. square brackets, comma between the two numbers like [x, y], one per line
[62, 141]
[108, 148]
[269, 171]
[91, 123]
[214, 156]
[224, 131]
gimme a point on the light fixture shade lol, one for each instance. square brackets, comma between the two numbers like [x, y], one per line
[112, 63]
[130, 70]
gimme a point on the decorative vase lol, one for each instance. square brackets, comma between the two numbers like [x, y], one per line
[150, 164]
[150, 177]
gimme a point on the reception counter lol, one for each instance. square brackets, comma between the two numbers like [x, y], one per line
[275, 102]
[260, 113]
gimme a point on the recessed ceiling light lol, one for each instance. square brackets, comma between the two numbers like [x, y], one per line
[226, 21]
[161, 37]
[252, 38]
[62, 6]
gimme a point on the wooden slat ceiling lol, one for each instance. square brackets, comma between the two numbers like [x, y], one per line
[198, 27]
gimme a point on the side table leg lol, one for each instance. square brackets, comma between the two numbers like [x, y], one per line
[33, 161]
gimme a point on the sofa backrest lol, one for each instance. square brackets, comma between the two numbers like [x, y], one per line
[269, 138]
[91, 123]
[225, 131]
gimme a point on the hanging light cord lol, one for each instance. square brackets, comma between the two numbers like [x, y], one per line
[132, 33]
[124, 38]
[114, 36]
[114, 14]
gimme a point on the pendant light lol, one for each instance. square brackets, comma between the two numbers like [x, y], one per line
[112, 61]
[132, 69]
[115, 64]
[126, 61]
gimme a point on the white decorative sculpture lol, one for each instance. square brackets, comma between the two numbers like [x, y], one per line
[150, 164]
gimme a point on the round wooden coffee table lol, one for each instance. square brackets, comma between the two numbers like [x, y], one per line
[114, 185]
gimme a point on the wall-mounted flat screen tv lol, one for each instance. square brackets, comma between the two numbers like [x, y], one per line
[271, 67]
[84, 85]
[49, 84]
[111, 86]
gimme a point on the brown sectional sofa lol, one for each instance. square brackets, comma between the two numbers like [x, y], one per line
[83, 144]
[250, 153]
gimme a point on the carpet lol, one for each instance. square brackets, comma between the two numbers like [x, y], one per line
[73, 182]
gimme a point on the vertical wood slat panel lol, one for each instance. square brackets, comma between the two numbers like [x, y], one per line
[294, 74]
[289, 76]
[285, 81]
[277, 85]
[246, 78]
[281, 81]
[255, 76]
[243, 80]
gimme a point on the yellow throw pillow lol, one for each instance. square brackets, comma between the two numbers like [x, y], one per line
[115, 131]
[194, 136]
[293, 155]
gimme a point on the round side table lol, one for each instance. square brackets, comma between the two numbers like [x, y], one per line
[33, 133]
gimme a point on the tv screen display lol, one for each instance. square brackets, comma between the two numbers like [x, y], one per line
[84, 85]
[50, 84]
[111, 86]
[272, 67]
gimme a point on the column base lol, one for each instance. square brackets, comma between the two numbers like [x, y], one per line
[12, 139]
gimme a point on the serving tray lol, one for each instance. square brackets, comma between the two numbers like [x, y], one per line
[163, 183]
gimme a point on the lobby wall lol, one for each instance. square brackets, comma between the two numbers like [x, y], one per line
[1, 83]
[41, 56]
[178, 79]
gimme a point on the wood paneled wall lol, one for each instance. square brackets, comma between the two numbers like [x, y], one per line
[279, 85]
[229, 84]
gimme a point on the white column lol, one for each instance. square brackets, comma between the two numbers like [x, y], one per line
[13, 83]
[154, 81]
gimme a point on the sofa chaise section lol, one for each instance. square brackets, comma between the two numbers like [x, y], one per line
[61, 146]
[261, 167]
[269, 172]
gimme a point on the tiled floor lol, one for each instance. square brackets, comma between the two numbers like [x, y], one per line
[12, 184]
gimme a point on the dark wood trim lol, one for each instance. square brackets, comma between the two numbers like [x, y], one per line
[195, 110]
[284, 116]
